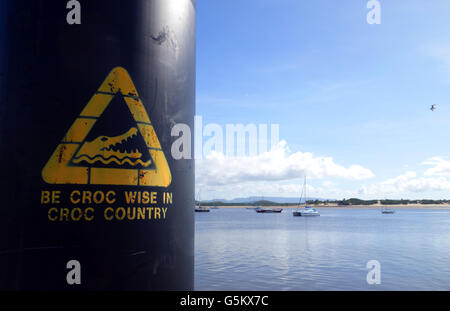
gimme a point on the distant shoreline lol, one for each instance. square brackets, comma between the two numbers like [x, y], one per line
[393, 206]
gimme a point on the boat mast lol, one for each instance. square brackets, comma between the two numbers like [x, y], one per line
[198, 196]
[301, 195]
[304, 185]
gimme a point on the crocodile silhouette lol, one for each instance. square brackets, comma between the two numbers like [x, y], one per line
[106, 150]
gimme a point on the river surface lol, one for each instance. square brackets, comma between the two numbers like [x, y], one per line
[239, 249]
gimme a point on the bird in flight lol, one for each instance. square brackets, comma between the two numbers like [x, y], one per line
[433, 107]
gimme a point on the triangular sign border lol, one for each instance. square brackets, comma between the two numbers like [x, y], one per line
[57, 170]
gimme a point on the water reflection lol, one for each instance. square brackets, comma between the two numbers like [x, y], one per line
[238, 249]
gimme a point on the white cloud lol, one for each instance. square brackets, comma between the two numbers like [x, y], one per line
[279, 164]
[408, 183]
[329, 184]
[440, 167]
[399, 180]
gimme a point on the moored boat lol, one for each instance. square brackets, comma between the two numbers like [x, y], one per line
[306, 210]
[259, 209]
[199, 208]
[202, 209]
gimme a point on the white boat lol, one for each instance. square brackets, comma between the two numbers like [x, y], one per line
[307, 211]
[387, 211]
[201, 209]
[303, 209]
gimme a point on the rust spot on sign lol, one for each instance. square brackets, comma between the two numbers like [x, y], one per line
[61, 153]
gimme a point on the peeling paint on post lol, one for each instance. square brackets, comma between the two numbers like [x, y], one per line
[87, 174]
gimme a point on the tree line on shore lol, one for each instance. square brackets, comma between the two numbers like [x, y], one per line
[354, 201]
[343, 202]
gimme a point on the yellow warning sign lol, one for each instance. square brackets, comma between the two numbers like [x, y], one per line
[109, 160]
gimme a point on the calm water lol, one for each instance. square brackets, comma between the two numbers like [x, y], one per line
[238, 249]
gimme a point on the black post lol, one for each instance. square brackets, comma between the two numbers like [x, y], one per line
[91, 196]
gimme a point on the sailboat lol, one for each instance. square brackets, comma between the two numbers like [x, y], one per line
[385, 210]
[305, 210]
[201, 209]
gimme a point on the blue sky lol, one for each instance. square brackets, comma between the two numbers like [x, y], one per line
[355, 94]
